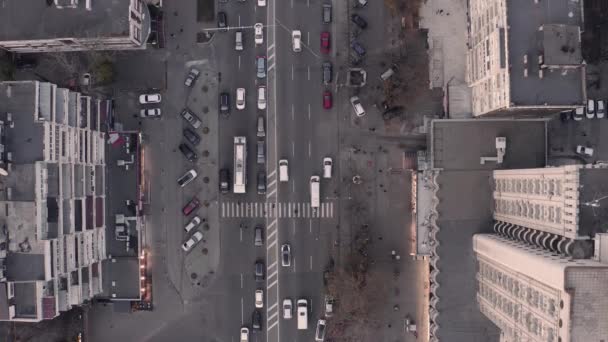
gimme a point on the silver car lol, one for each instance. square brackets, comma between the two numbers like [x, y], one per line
[261, 66]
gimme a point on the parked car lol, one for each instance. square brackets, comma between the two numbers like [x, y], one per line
[238, 40]
[358, 48]
[584, 151]
[325, 42]
[590, 113]
[286, 255]
[261, 131]
[287, 308]
[578, 113]
[191, 77]
[191, 136]
[222, 21]
[261, 152]
[258, 236]
[188, 152]
[244, 334]
[327, 166]
[327, 100]
[188, 177]
[600, 111]
[261, 3]
[320, 333]
[357, 107]
[259, 298]
[256, 320]
[240, 98]
[359, 21]
[326, 13]
[224, 104]
[258, 29]
[192, 224]
[149, 98]
[260, 63]
[259, 271]
[191, 118]
[224, 181]
[327, 72]
[329, 306]
[262, 97]
[196, 238]
[193, 205]
[296, 40]
[150, 113]
[261, 182]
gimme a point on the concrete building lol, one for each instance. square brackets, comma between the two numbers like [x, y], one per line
[556, 208]
[73, 25]
[52, 193]
[534, 295]
[524, 56]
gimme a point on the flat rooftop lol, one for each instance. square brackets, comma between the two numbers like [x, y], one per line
[34, 19]
[559, 45]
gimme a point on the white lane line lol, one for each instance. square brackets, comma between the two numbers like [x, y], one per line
[310, 226]
[273, 265]
[270, 67]
[274, 232]
[270, 327]
[270, 57]
[241, 233]
[272, 183]
[294, 264]
[292, 73]
[311, 262]
[273, 283]
[293, 112]
[241, 280]
[270, 194]
[271, 224]
[273, 243]
[293, 149]
[274, 172]
[309, 109]
[309, 149]
[274, 314]
[239, 61]
[271, 47]
[308, 3]
[223, 209]
[293, 227]
[308, 38]
[293, 187]
[242, 316]
[291, 3]
[239, 21]
[270, 308]
[308, 71]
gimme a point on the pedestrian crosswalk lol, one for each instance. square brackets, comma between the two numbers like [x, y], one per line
[278, 210]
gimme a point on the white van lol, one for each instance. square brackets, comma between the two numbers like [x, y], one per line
[302, 314]
[283, 170]
[238, 41]
[296, 37]
[327, 166]
[314, 192]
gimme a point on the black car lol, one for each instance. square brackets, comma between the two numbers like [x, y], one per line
[192, 137]
[256, 320]
[224, 181]
[358, 20]
[225, 104]
[327, 71]
[222, 21]
[259, 271]
[188, 152]
[261, 182]
[358, 48]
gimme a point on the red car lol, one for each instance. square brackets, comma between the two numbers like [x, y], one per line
[191, 206]
[325, 42]
[327, 99]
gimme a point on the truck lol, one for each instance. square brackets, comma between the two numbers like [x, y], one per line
[314, 192]
[240, 165]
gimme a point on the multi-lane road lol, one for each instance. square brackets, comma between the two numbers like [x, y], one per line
[297, 129]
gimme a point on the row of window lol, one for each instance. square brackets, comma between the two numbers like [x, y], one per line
[533, 186]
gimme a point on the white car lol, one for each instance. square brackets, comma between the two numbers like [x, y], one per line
[584, 151]
[261, 3]
[192, 224]
[296, 39]
[196, 238]
[240, 98]
[259, 298]
[262, 97]
[149, 98]
[287, 308]
[150, 113]
[259, 33]
[590, 113]
[244, 334]
[327, 165]
[357, 106]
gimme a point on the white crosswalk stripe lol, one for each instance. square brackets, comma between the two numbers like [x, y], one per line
[281, 210]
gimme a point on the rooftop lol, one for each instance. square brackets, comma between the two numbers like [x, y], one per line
[34, 19]
[556, 87]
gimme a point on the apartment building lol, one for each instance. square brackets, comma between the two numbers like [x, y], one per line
[73, 25]
[534, 295]
[52, 200]
[524, 56]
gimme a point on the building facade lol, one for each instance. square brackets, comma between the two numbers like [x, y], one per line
[53, 195]
[524, 56]
[74, 25]
[536, 296]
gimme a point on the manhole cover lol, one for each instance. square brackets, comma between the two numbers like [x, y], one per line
[205, 130]
[205, 251]
[205, 227]
[205, 89]
[206, 203]
[205, 154]
[193, 275]
[205, 179]
[205, 110]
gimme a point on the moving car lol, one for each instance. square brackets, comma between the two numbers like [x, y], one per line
[326, 13]
[222, 21]
[261, 182]
[260, 63]
[238, 40]
[286, 255]
[358, 108]
[196, 238]
[149, 98]
[261, 152]
[192, 224]
[259, 271]
[256, 320]
[191, 206]
[258, 236]
[187, 152]
[191, 118]
[578, 113]
[287, 308]
[191, 136]
[191, 77]
[302, 312]
[584, 151]
[296, 40]
[327, 100]
[327, 72]
[359, 21]
[320, 333]
[327, 165]
[150, 113]
[224, 181]
[186, 178]
[262, 97]
[240, 98]
[325, 42]
[258, 29]
[261, 3]
[259, 298]
[283, 170]
[590, 109]
[260, 127]
[224, 104]
[244, 334]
